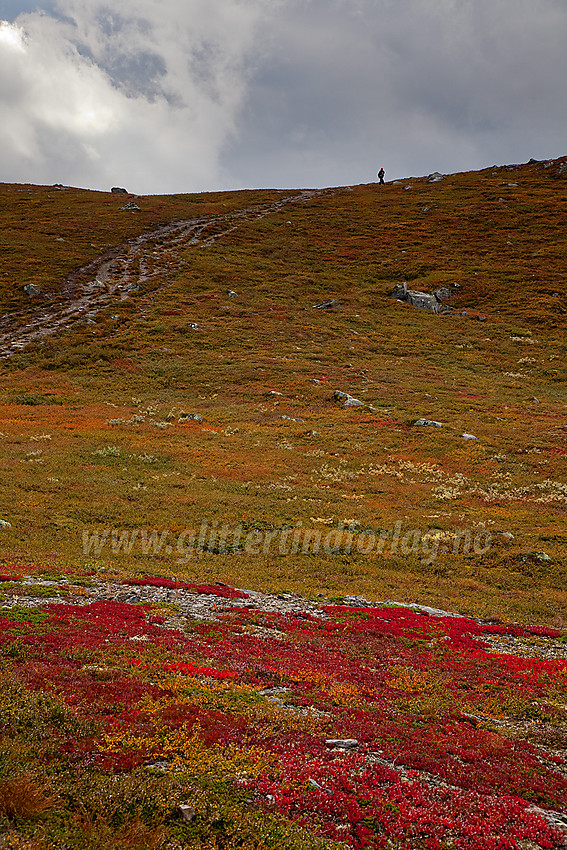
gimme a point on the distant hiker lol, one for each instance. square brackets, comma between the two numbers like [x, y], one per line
[381, 176]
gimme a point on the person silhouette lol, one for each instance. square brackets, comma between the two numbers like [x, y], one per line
[381, 176]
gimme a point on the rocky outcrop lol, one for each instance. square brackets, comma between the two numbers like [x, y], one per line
[347, 400]
[432, 303]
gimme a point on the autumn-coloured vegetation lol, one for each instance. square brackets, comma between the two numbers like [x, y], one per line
[453, 744]
[207, 396]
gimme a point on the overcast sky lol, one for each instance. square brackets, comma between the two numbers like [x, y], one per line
[191, 95]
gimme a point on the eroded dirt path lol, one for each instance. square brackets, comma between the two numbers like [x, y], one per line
[114, 275]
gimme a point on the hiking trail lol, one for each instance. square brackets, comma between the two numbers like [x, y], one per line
[119, 271]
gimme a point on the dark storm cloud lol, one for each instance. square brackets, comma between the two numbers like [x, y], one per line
[194, 94]
[416, 86]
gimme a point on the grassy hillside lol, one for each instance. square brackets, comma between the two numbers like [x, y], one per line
[168, 409]
[82, 412]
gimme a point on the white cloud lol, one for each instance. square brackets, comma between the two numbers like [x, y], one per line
[146, 97]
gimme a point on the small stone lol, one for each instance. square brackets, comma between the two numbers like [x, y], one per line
[131, 205]
[469, 437]
[187, 812]
[186, 417]
[507, 535]
[232, 294]
[436, 177]
[32, 290]
[4, 524]
[428, 423]
[542, 556]
[193, 325]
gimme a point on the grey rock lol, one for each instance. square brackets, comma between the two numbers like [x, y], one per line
[346, 744]
[332, 304]
[129, 598]
[32, 290]
[118, 190]
[185, 417]
[421, 300]
[433, 612]
[232, 294]
[442, 294]
[428, 422]
[436, 177]
[556, 819]
[507, 535]
[356, 600]
[347, 400]
[131, 205]
[542, 556]
[193, 325]
[4, 524]
[316, 785]
[469, 437]
[187, 812]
